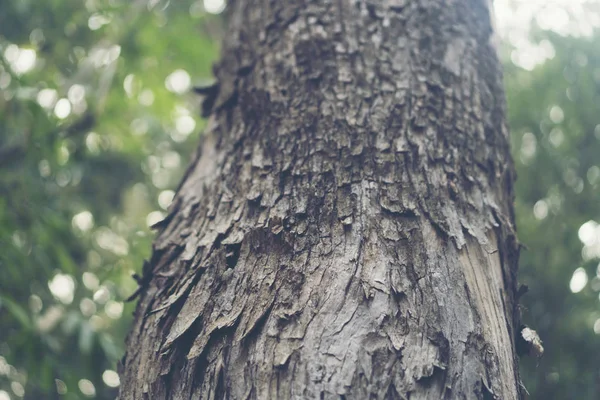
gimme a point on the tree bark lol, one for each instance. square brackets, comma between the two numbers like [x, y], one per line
[346, 229]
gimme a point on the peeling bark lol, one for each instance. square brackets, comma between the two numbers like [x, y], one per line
[346, 228]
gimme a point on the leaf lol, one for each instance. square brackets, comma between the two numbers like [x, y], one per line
[110, 349]
[86, 338]
[16, 311]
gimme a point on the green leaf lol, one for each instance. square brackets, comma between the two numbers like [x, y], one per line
[86, 338]
[18, 312]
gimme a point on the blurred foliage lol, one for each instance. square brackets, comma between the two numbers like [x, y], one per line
[554, 114]
[96, 129]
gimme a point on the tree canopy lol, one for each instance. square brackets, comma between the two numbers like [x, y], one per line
[97, 124]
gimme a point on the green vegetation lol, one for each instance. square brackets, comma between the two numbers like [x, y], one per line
[554, 114]
[95, 134]
[97, 127]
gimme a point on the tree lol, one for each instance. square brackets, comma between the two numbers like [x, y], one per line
[346, 227]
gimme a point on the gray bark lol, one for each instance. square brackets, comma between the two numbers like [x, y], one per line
[346, 228]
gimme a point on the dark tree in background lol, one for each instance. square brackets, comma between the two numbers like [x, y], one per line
[346, 228]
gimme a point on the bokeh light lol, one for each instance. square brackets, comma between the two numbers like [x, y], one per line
[578, 280]
[178, 81]
[110, 378]
[62, 287]
[214, 6]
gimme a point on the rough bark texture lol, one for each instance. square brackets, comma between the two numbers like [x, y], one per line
[346, 228]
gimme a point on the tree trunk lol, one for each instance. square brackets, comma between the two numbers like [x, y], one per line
[346, 228]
